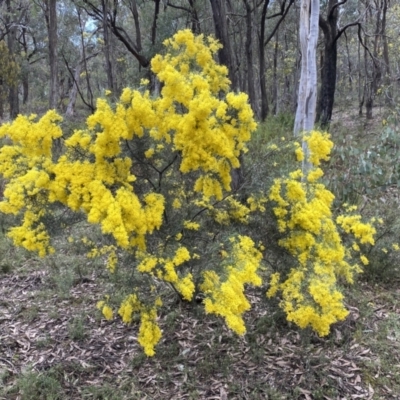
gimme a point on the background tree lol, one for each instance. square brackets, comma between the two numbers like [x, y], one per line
[50, 12]
[8, 73]
[332, 33]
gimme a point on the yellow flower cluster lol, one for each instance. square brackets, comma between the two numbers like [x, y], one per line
[196, 122]
[304, 216]
[319, 146]
[165, 269]
[110, 251]
[226, 298]
[106, 310]
[149, 331]
[26, 163]
[213, 131]
[352, 224]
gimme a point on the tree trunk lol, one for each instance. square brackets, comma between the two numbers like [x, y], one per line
[307, 98]
[135, 14]
[328, 83]
[329, 27]
[376, 76]
[194, 18]
[51, 20]
[263, 83]
[107, 46]
[74, 91]
[13, 98]
[25, 88]
[275, 75]
[154, 26]
[221, 32]
[249, 57]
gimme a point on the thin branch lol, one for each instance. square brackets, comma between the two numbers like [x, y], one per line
[278, 23]
[336, 6]
[178, 7]
[76, 83]
[343, 30]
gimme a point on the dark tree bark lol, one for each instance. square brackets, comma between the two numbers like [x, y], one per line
[221, 32]
[328, 74]
[249, 57]
[107, 45]
[135, 14]
[119, 32]
[332, 33]
[275, 75]
[379, 66]
[13, 98]
[50, 10]
[154, 26]
[326, 96]
[263, 41]
[196, 29]
[192, 12]
[263, 83]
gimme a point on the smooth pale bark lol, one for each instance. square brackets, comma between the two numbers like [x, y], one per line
[307, 97]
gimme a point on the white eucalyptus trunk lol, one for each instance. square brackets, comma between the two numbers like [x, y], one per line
[307, 97]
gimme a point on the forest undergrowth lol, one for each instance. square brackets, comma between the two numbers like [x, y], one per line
[56, 344]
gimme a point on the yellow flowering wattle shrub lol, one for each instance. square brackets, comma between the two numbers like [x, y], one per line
[154, 173]
[302, 206]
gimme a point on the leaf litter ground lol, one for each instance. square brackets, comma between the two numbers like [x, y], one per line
[198, 358]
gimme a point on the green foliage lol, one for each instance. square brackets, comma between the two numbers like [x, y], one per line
[76, 329]
[363, 172]
[362, 167]
[40, 386]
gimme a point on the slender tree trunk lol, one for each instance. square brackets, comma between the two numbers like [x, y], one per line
[328, 82]
[360, 92]
[74, 91]
[13, 98]
[25, 88]
[107, 45]
[329, 27]
[154, 26]
[51, 20]
[376, 79]
[196, 29]
[387, 71]
[261, 50]
[275, 75]
[90, 98]
[221, 32]
[251, 90]
[135, 14]
[307, 98]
